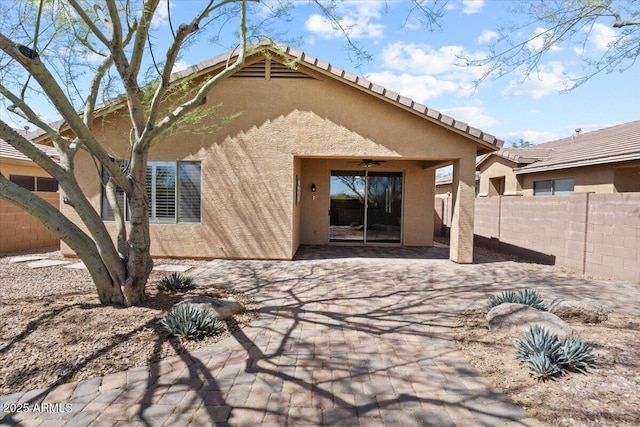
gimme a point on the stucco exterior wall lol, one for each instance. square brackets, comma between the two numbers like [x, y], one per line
[249, 165]
[496, 167]
[20, 167]
[593, 179]
[418, 215]
[626, 178]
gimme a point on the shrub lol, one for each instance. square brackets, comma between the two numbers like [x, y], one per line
[176, 282]
[526, 296]
[547, 356]
[190, 321]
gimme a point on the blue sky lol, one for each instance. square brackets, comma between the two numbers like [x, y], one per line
[425, 66]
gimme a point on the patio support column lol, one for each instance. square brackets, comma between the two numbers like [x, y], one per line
[462, 206]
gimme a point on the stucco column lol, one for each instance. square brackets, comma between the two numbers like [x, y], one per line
[462, 206]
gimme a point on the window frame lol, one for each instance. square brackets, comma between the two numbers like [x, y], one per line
[152, 193]
[553, 191]
[35, 182]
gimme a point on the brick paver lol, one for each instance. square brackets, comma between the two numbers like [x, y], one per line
[345, 336]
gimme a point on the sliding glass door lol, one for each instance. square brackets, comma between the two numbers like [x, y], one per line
[365, 207]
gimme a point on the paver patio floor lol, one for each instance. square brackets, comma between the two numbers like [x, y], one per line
[345, 336]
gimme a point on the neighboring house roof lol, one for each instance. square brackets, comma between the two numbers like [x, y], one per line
[8, 152]
[613, 144]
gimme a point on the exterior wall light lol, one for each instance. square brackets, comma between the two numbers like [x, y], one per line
[313, 187]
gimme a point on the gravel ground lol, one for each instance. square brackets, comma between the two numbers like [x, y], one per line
[54, 330]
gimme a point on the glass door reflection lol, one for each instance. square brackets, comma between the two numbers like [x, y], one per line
[346, 209]
[365, 207]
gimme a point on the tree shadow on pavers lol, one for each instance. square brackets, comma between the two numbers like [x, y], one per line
[298, 300]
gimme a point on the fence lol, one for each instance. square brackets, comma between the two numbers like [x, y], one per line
[595, 234]
[20, 231]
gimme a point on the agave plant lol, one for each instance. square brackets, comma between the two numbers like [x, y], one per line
[176, 282]
[538, 340]
[531, 298]
[505, 296]
[547, 356]
[577, 355]
[190, 321]
[526, 296]
[542, 367]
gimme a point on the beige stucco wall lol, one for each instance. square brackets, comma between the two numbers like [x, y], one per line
[249, 166]
[20, 167]
[417, 193]
[596, 179]
[626, 177]
[496, 167]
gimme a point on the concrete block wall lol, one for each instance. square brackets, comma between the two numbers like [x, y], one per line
[595, 234]
[20, 231]
[613, 236]
[551, 226]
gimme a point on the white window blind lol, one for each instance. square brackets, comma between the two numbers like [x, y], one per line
[173, 190]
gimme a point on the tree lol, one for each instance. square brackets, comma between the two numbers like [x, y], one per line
[120, 36]
[521, 143]
[562, 23]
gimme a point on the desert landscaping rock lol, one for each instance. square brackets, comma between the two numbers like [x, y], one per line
[221, 308]
[580, 311]
[520, 317]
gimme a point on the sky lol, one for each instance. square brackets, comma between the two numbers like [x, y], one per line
[426, 66]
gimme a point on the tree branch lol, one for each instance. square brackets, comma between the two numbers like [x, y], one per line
[87, 20]
[200, 98]
[48, 83]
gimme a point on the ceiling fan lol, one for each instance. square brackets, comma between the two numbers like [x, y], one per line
[367, 163]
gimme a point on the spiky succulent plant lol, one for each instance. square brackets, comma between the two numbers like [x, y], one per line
[525, 296]
[176, 282]
[547, 356]
[578, 356]
[190, 321]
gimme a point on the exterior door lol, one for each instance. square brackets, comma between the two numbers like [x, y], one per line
[366, 207]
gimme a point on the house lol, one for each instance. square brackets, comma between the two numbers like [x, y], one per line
[20, 169]
[602, 161]
[18, 229]
[315, 156]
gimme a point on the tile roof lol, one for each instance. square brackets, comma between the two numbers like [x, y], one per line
[489, 141]
[613, 144]
[8, 152]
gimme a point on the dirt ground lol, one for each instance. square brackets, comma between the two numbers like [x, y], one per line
[54, 330]
[607, 396]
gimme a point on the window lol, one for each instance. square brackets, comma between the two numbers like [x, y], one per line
[35, 183]
[173, 189]
[553, 187]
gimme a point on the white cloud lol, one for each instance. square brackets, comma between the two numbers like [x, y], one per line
[601, 36]
[419, 88]
[474, 116]
[358, 21]
[538, 137]
[540, 39]
[447, 61]
[179, 66]
[161, 17]
[472, 6]
[487, 36]
[551, 78]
